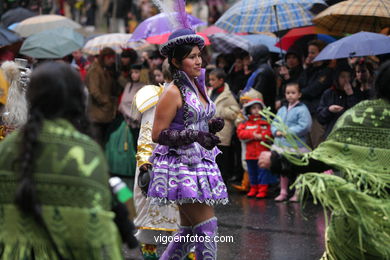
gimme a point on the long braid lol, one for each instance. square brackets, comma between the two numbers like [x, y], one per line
[183, 92]
[26, 197]
[179, 82]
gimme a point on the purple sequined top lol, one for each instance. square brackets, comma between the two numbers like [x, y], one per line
[198, 116]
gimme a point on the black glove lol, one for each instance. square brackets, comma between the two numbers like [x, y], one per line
[216, 124]
[207, 140]
[172, 137]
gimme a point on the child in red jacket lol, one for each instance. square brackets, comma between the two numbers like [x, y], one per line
[253, 131]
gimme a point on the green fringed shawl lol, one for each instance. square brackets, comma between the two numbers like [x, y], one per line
[358, 195]
[72, 186]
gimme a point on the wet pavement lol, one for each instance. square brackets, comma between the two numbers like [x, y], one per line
[268, 230]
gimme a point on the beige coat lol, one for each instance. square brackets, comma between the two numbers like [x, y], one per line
[228, 109]
[101, 104]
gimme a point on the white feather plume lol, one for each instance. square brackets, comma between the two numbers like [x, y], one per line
[167, 7]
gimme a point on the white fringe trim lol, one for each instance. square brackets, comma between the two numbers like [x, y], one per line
[209, 202]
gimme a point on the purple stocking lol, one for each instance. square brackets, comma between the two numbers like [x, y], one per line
[206, 231]
[180, 249]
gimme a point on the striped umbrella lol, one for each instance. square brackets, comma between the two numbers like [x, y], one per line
[269, 41]
[267, 15]
[355, 15]
[227, 42]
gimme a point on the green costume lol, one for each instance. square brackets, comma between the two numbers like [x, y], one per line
[358, 149]
[71, 180]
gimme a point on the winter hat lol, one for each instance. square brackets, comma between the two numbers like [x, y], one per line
[252, 102]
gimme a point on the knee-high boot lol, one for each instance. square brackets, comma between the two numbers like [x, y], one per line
[179, 250]
[205, 246]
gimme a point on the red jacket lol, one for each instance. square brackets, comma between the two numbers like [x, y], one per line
[245, 132]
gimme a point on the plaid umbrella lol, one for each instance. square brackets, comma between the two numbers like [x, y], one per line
[355, 15]
[269, 41]
[116, 41]
[267, 15]
[227, 42]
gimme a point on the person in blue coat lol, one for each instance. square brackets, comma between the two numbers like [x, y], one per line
[296, 116]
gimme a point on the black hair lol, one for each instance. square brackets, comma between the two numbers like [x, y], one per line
[219, 73]
[382, 81]
[136, 66]
[365, 64]
[293, 83]
[318, 43]
[165, 68]
[339, 69]
[130, 53]
[55, 91]
[179, 53]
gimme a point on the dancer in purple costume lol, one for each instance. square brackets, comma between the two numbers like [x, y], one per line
[184, 167]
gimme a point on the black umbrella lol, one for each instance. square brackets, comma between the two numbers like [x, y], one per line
[16, 15]
[7, 37]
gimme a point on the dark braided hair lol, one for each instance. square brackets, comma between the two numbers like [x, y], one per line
[55, 91]
[179, 54]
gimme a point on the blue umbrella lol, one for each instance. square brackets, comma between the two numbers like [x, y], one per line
[269, 41]
[356, 45]
[52, 44]
[16, 15]
[7, 37]
[267, 15]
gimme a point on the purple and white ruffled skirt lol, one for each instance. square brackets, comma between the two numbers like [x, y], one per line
[188, 174]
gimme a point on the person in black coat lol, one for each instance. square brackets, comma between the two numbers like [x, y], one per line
[263, 79]
[315, 79]
[337, 99]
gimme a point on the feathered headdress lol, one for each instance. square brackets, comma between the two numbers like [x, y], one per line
[182, 31]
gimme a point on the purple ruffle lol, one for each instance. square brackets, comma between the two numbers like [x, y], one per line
[187, 174]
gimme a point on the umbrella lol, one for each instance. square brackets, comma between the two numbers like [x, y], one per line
[355, 15]
[267, 15]
[296, 33]
[52, 44]
[116, 41]
[7, 37]
[356, 45]
[227, 42]
[159, 24]
[41, 23]
[269, 41]
[160, 39]
[212, 30]
[16, 15]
